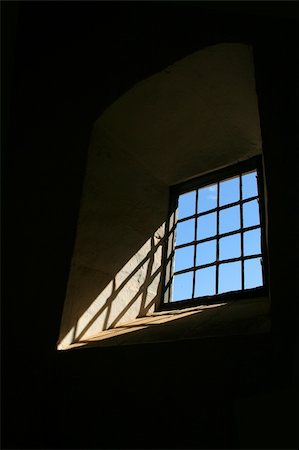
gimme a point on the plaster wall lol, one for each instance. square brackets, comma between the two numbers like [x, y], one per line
[195, 116]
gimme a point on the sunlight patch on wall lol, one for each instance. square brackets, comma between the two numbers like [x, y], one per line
[151, 326]
[132, 293]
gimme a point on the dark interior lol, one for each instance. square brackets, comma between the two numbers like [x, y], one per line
[63, 63]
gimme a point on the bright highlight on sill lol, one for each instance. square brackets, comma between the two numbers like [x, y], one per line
[217, 239]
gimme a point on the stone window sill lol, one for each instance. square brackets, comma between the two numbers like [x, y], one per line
[244, 317]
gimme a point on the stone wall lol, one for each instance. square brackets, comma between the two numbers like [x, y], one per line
[195, 116]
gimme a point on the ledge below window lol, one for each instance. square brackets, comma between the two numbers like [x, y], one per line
[244, 317]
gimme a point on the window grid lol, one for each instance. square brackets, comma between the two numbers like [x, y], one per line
[228, 205]
[170, 284]
[242, 233]
[216, 237]
[195, 246]
[217, 243]
[260, 203]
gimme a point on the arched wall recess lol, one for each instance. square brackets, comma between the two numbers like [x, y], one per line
[197, 115]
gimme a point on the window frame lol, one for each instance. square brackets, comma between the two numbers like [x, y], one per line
[254, 163]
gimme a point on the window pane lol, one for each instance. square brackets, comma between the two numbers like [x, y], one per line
[206, 226]
[251, 215]
[205, 281]
[186, 205]
[252, 242]
[206, 253]
[249, 185]
[230, 247]
[184, 258]
[230, 277]
[182, 286]
[229, 219]
[185, 232]
[229, 191]
[253, 276]
[207, 198]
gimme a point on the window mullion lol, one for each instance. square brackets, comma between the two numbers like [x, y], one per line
[242, 233]
[224, 261]
[261, 214]
[171, 268]
[212, 238]
[217, 243]
[210, 211]
[195, 246]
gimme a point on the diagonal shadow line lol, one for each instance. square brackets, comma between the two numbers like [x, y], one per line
[128, 306]
[74, 332]
[109, 306]
[132, 301]
[151, 258]
[148, 274]
[208, 315]
[151, 303]
[116, 292]
[143, 308]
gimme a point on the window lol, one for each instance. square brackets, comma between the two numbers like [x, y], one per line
[215, 243]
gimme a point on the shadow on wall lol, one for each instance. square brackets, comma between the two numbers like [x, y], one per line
[198, 116]
[167, 326]
[135, 289]
[116, 267]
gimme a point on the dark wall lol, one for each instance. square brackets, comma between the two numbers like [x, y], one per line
[70, 62]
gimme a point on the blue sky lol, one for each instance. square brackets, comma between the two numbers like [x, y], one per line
[229, 247]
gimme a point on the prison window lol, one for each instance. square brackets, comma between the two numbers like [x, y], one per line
[215, 236]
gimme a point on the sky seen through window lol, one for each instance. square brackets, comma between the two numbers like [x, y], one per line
[201, 281]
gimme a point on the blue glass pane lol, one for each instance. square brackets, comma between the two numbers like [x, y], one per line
[229, 219]
[253, 276]
[182, 286]
[186, 205]
[207, 198]
[206, 226]
[251, 215]
[185, 232]
[230, 277]
[184, 258]
[205, 281]
[249, 185]
[230, 247]
[206, 253]
[229, 191]
[252, 242]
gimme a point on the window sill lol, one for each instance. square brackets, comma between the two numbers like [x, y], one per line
[230, 318]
